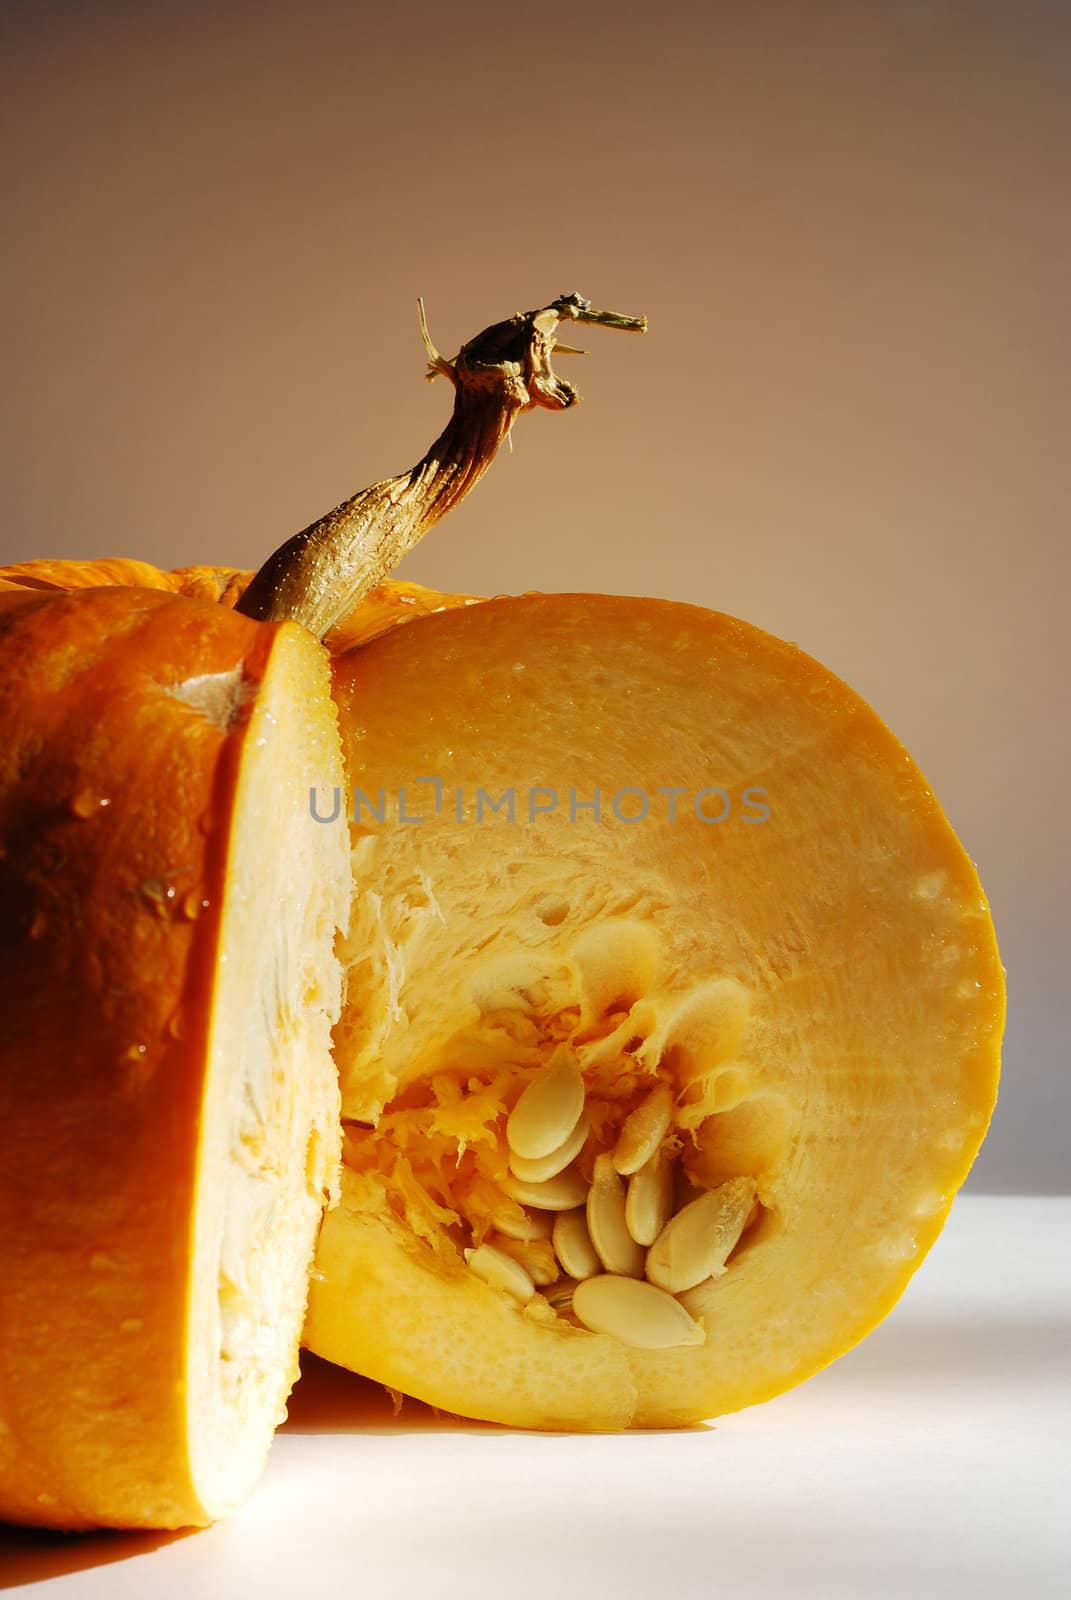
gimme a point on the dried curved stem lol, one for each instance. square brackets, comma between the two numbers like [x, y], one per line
[319, 575]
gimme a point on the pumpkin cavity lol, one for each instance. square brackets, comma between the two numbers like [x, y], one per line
[553, 1141]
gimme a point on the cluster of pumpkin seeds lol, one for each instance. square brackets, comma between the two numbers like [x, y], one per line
[614, 1252]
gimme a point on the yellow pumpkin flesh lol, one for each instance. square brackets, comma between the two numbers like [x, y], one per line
[821, 990]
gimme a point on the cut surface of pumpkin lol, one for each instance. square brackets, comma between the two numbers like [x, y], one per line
[678, 896]
[168, 1100]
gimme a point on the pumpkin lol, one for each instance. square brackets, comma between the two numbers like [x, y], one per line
[169, 1109]
[645, 1117]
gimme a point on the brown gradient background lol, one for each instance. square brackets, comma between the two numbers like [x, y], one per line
[848, 224]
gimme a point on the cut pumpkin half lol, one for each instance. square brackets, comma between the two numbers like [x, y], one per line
[670, 1028]
[168, 1100]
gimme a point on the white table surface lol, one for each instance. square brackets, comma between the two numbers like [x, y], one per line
[933, 1460]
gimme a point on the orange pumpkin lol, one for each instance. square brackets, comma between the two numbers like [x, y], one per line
[646, 1118]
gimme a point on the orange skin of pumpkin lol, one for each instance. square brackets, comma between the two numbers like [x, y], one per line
[390, 604]
[114, 982]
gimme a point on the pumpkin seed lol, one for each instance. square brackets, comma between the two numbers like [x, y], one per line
[635, 1312]
[649, 1204]
[547, 1111]
[516, 1223]
[500, 1271]
[615, 1246]
[544, 1167]
[537, 1258]
[560, 1193]
[573, 1246]
[643, 1130]
[695, 1243]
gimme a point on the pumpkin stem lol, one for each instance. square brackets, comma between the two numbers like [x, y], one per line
[318, 576]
